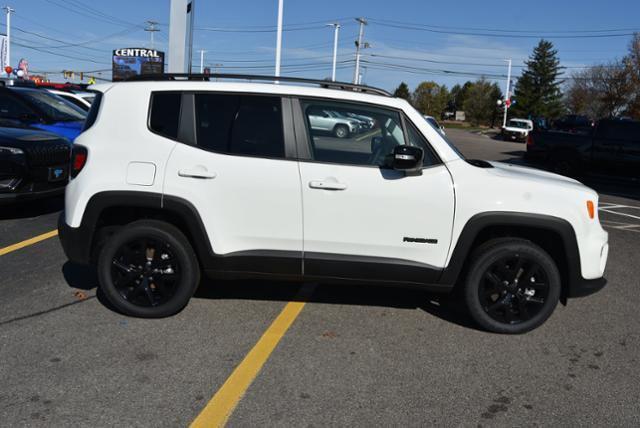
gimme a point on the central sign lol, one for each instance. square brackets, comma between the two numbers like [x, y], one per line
[128, 62]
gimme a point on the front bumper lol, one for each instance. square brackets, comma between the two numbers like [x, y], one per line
[11, 198]
[76, 242]
[585, 287]
[514, 136]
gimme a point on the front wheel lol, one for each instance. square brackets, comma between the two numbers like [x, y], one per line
[148, 269]
[341, 131]
[512, 286]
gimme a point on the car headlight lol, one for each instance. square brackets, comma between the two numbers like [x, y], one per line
[10, 151]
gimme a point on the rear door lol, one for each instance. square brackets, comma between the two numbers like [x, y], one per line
[233, 167]
[363, 220]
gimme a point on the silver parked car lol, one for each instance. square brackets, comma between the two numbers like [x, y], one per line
[333, 122]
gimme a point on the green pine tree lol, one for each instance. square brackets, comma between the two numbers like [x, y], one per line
[402, 91]
[537, 92]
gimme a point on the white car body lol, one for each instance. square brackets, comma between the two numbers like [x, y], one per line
[249, 205]
[273, 220]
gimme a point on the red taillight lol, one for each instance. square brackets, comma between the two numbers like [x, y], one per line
[529, 140]
[78, 160]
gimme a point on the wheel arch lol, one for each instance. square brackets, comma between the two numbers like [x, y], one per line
[555, 235]
[107, 211]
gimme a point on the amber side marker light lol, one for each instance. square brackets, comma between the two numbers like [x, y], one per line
[591, 209]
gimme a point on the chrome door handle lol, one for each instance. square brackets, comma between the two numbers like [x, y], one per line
[197, 172]
[327, 185]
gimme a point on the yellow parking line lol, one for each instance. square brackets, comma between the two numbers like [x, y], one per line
[219, 409]
[26, 243]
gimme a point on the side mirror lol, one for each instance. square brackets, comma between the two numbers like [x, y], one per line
[407, 158]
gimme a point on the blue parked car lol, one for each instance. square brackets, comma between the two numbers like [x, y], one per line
[29, 107]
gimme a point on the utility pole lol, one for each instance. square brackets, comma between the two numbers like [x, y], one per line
[356, 74]
[152, 29]
[336, 30]
[507, 95]
[9, 11]
[202, 51]
[279, 37]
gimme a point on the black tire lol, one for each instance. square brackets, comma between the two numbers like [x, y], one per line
[128, 282]
[341, 131]
[516, 307]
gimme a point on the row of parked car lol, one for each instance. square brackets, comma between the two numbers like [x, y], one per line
[575, 145]
[37, 127]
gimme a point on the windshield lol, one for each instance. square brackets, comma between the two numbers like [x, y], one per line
[518, 124]
[433, 123]
[444, 137]
[55, 107]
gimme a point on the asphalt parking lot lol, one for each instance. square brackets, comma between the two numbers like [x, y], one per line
[339, 356]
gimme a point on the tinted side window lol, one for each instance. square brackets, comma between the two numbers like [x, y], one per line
[240, 124]
[165, 113]
[619, 130]
[358, 134]
[11, 108]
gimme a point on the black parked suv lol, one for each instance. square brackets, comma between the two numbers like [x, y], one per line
[33, 164]
[611, 146]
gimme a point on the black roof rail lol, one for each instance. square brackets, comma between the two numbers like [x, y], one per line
[207, 77]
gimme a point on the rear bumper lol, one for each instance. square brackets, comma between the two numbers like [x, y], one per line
[75, 241]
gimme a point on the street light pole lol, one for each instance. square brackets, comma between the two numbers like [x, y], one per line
[507, 96]
[336, 30]
[202, 61]
[279, 37]
[9, 11]
[356, 74]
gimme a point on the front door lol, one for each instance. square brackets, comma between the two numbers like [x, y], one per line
[363, 220]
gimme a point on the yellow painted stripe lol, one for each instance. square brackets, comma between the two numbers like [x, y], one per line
[219, 409]
[26, 243]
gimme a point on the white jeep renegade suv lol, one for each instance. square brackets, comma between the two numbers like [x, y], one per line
[175, 177]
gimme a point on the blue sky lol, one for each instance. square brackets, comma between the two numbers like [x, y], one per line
[80, 35]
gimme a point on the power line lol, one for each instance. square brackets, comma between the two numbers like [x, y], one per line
[417, 27]
[503, 30]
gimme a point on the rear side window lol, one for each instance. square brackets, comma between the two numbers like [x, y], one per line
[93, 112]
[246, 125]
[619, 130]
[165, 113]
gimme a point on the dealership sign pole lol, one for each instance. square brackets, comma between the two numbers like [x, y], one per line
[181, 35]
[9, 11]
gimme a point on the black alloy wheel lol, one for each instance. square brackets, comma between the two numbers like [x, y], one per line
[512, 285]
[148, 269]
[146, 272]
[514, 289]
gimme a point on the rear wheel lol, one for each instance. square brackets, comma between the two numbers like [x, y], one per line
[512, 286]
[148, 269]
